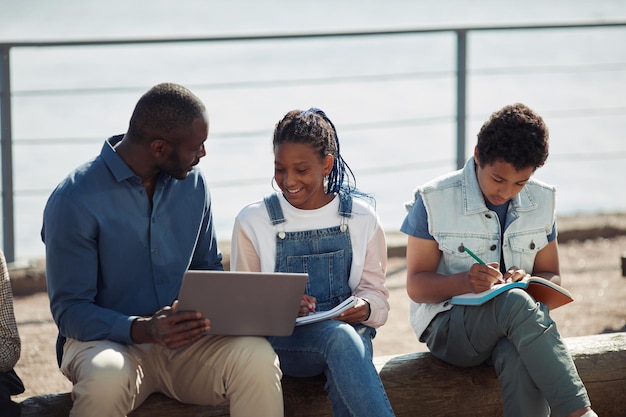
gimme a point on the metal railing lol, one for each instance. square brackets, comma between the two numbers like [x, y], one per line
[461, 34]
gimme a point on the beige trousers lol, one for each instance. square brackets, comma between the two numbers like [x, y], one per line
[111, 379]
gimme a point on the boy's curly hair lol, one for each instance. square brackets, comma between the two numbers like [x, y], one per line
[514, 134]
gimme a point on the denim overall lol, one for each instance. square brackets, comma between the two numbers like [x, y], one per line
[343, 352]
[325, 254]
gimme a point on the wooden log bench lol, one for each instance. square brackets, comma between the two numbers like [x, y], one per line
[417, 385]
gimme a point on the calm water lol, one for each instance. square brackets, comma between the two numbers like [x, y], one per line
[391, 98]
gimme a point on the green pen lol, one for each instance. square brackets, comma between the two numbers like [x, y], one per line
[477, 259]
[473, 255]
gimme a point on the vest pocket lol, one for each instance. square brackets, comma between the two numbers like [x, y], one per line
[525, 246]
[454, 256]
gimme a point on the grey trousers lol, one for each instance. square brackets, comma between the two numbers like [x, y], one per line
[517, 336]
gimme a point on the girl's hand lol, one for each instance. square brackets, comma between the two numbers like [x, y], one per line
[358, 313]
[307, 305]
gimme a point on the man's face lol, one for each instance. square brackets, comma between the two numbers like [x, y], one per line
[186, 148]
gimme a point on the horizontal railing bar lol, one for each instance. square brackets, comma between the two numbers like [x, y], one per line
[382, 124]
[347, 79]
[389, 169]
[538, 69]
[269, 37]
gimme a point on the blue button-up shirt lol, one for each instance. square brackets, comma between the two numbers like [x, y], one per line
[113, 255]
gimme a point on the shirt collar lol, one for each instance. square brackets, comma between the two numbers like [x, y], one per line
[120, 170]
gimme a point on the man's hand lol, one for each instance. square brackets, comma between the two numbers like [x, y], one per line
[170, 328]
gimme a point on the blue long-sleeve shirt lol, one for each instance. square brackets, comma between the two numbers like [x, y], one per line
[112, 255]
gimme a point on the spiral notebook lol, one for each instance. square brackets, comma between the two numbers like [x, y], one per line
[244, 303]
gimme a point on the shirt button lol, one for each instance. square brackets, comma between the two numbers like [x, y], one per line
[492, 247]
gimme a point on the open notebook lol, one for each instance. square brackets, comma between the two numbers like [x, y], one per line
[244, 303]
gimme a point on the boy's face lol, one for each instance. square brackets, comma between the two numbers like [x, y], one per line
[500, 181]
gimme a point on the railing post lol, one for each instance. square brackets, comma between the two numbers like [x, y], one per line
[7, 154]
[461, 91]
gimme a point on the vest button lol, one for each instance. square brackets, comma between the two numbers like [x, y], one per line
[281, 235]
[492, 247]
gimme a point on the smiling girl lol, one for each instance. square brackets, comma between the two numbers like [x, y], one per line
[320, 224]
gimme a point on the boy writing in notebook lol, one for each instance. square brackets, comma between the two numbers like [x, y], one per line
[493, 206]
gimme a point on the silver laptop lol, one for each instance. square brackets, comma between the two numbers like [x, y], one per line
[244, 303]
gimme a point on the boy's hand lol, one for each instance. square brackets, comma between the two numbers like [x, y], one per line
[514, 274]
[482, 277]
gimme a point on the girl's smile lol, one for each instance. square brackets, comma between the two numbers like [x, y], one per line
[299, 172]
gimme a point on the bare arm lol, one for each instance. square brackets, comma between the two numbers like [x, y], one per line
[547, 263]
[425, 285]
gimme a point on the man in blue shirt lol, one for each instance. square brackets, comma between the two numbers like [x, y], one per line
[120, 231]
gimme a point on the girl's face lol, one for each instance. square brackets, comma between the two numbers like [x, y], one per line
[500, 181]
[299, 172]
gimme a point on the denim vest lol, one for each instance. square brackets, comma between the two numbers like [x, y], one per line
[324, 254]
[458, 217]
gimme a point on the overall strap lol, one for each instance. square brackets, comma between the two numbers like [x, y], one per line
[273, 209]
[345, 205]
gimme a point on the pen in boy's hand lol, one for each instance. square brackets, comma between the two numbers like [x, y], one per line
[477, 259]
[473, 255]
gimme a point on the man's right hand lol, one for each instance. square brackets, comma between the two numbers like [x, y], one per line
[170, 328]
